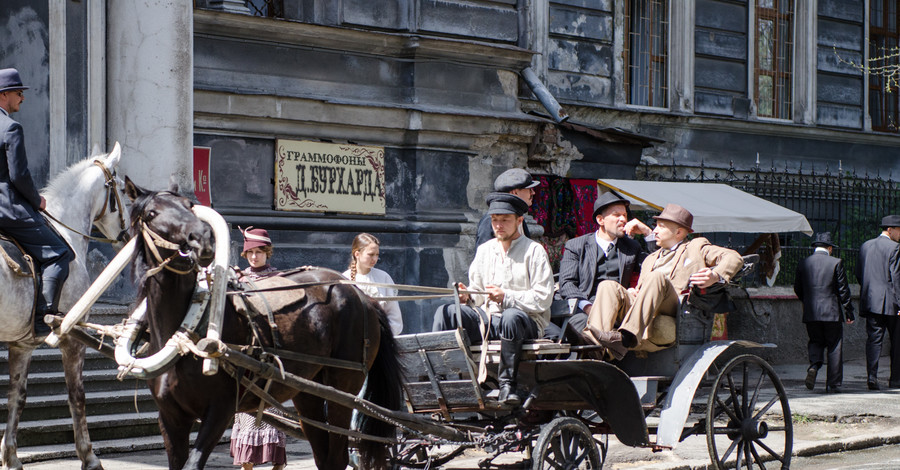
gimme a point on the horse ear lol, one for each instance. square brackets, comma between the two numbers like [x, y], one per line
[132, 190]
[112, 160]
[173, 184]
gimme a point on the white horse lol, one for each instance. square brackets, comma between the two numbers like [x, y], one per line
[78, 198]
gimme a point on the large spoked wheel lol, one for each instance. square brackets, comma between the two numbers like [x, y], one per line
[566, 444]
[748, 405]
[420, 455]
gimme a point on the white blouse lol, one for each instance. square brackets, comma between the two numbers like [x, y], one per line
[392, 307]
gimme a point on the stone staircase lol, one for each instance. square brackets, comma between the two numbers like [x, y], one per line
[121, 414]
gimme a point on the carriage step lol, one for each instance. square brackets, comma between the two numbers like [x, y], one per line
[103, 448]
[97, 404]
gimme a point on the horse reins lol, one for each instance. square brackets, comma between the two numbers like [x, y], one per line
[110, 200]
[154, 240]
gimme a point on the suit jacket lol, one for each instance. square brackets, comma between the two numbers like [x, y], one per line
[693, 256]
[878, 272]
[582, 255]
[19, 198]
[821, 285]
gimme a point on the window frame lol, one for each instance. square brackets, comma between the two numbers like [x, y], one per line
[655, 58]
[778, 73]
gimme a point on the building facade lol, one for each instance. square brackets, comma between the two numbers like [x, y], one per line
[438, 85]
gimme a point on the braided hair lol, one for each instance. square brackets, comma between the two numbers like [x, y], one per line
[359, 243]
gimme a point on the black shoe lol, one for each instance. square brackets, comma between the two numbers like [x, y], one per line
[873, 385]
[811, 377]
[834, 389]
[508, 395]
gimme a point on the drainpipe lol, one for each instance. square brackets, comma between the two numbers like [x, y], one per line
[544, 96]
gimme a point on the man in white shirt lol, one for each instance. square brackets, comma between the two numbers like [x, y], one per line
[516, 274]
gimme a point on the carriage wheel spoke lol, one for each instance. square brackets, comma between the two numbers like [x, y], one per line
[734, 398]
[726, 407]
[745, 401]
[756, 389]
[570, 443]
[730, 449]
[766, 408]
[740, 453]
[778, 457]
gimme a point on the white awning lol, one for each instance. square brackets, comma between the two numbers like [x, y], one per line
[716, 207]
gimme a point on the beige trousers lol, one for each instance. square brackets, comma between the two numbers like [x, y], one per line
[615, 307]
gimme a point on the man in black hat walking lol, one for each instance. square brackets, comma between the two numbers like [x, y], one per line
[20, 201]
[607, 254]
[878, 272]
[517, 182]
[821, 284]
[516, 274]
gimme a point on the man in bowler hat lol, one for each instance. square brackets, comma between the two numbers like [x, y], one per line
[515, 273]
[20, 202]
[517, 182]
[609, 254]
[821, 285]
[624, 316]
[878, 272]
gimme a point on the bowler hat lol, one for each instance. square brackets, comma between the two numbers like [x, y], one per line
[10, 81]
[607, 199]
[890, 221]
[515, 178]
[505, 203]
[823, 239]
[256, 238]
[677, 214]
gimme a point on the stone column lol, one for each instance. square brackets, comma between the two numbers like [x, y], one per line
[806, 50]
[150, 89]
[681, 56]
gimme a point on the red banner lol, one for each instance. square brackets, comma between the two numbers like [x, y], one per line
[201, 175]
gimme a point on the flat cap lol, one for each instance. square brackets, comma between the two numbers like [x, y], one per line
[505, 203]
[515, 178]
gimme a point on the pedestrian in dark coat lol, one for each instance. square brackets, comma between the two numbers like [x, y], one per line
[878, 272]
[821, 284]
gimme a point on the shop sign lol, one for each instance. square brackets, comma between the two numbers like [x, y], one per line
[322, 177]
[201, 175]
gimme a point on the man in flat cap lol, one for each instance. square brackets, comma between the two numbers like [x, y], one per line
[609, 254]
[821, 285]
[517, 182]
[624, 316]
[516, 274]
[20, 203]
[878, 272]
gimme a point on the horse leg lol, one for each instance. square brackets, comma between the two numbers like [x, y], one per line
[212, 428]
[175, 427]
[312, 407]
[19, 360]
[73, 364]
[339, 416]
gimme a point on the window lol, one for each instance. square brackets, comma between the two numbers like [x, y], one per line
[267, 8]
[774, 49]
[646, 46]
[883, 42]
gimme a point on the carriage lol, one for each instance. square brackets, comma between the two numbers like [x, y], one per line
[572, 403]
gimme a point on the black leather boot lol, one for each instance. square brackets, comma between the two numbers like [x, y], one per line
[510, 352]
[51, 289]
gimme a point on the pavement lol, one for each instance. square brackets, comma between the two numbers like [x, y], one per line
[823, 423]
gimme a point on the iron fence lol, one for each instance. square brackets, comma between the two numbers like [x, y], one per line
[848, 205]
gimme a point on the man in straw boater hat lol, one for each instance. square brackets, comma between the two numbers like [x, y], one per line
[878, 272]
[608, 254]
[516, 274]
[20, 203]
[821, 285]
[624, 316]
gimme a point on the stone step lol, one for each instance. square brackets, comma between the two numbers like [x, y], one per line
[101, 427]
[49, 383]
[47, 359]
[44, 407]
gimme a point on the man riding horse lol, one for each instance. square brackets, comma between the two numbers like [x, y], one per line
[20, 201]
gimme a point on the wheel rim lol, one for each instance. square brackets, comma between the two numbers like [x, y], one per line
[567, 444]
[748, 406]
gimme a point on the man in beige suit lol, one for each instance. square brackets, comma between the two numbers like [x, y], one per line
[622, 321]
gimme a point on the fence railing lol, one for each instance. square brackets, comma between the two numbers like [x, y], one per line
[848, 205]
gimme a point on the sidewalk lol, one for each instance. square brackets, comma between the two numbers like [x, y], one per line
[855, 419]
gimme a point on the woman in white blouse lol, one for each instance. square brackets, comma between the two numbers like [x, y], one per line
[363, 257]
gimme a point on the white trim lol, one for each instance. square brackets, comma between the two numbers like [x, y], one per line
[96, 74]
[805, 59]
[57, 86]
[681, 57]
[867, 116]
[751, 57]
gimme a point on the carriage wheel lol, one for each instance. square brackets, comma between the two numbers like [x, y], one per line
[419, 455]
[566, 444]
[748, 405]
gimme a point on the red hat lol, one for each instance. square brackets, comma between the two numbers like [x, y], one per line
[256, 238]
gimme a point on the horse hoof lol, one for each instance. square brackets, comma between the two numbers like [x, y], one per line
[92, 463]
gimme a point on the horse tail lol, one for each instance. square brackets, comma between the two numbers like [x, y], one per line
[382, 388]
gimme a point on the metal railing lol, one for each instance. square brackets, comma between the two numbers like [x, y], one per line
[848, 205]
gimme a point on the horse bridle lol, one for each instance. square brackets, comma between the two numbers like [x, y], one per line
[111, 200]
[154, 241]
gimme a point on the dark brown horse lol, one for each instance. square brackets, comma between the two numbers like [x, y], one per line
[332, 321]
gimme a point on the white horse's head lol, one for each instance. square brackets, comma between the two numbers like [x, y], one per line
[110, 208]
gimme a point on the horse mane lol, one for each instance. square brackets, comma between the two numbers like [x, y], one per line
[62, 182]
[139, 266]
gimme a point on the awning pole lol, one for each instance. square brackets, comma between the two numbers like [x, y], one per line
[629, 195]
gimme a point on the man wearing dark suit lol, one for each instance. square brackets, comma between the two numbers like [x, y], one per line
[821, 285]
[517, 182]
[878, 273]
[20, 201]
[607, 254]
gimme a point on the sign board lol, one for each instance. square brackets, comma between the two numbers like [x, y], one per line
[322, 177]
[201, 175]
